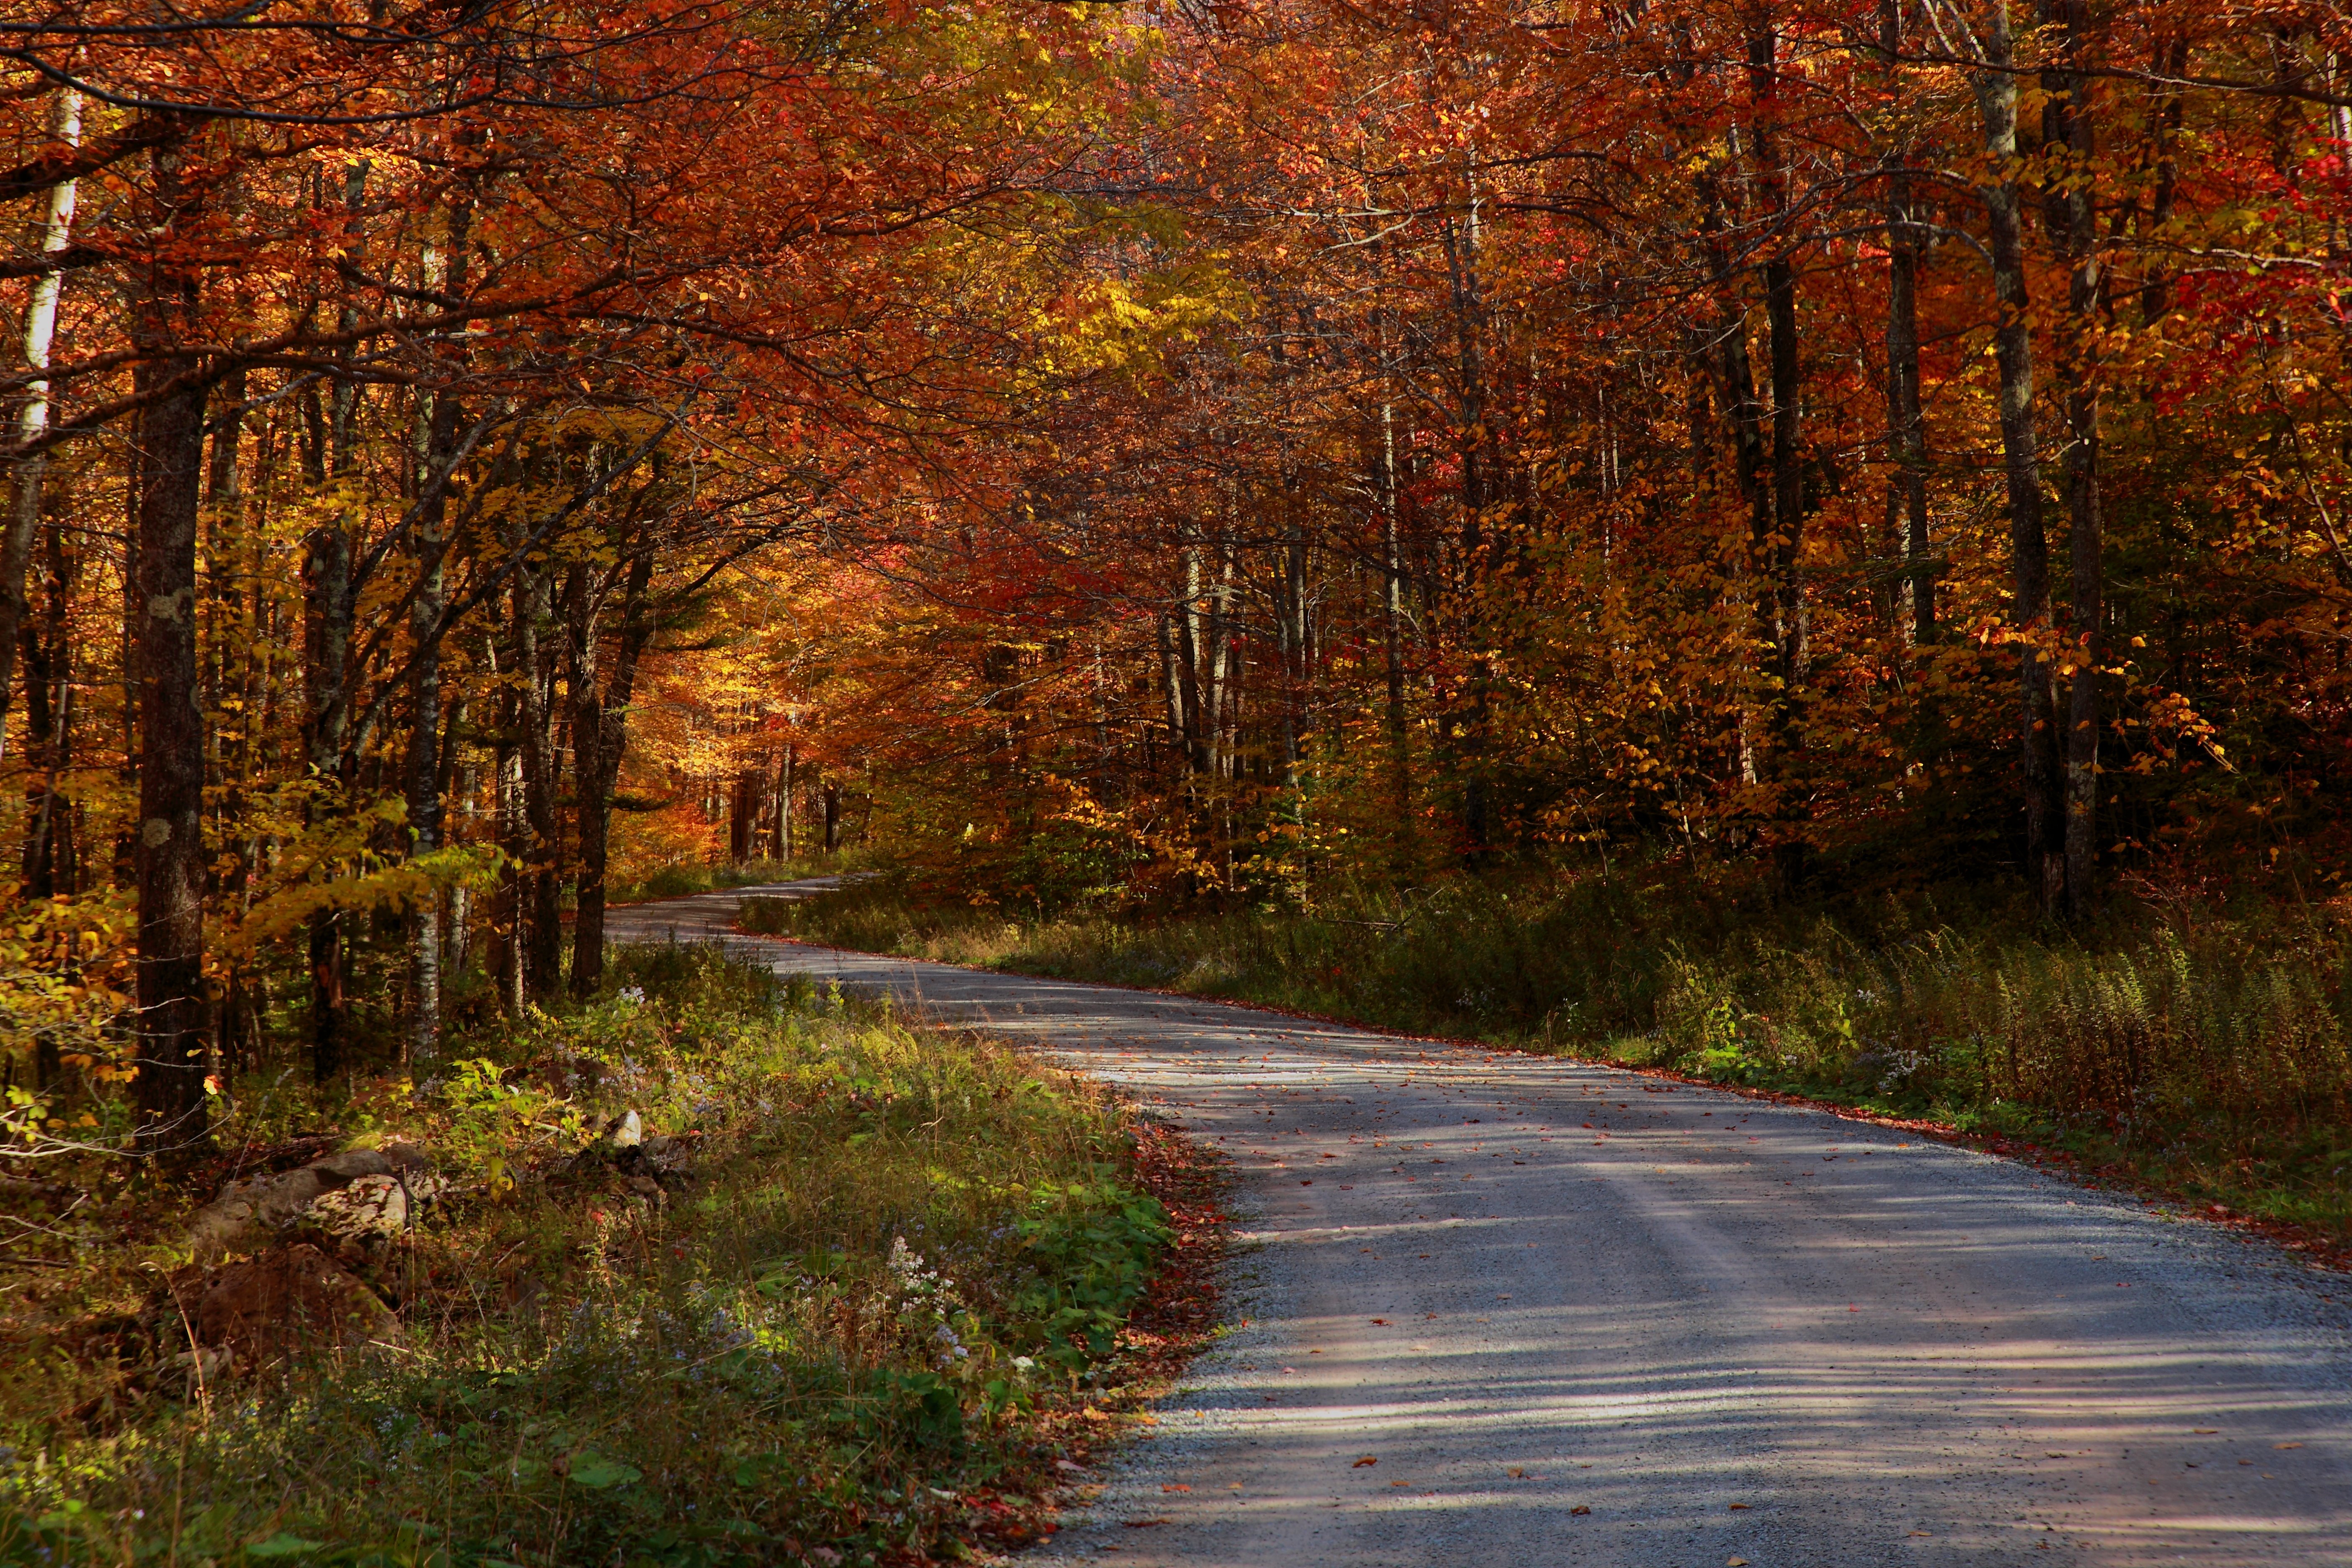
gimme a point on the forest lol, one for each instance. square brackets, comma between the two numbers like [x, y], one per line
[1805, 541]
[465, 461]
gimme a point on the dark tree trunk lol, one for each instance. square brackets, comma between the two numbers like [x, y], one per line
[1906, 428]
[513, 832]
[171, 853]
[600, 739]
[327, 624]
[832, 817]
[2070, 135]
[784, 806]
[542, 925]
[1997, 93]
[49, 689]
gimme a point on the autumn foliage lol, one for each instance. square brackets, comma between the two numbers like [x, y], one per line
[466, 459]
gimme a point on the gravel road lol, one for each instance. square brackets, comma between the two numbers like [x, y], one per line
[1511, 1310]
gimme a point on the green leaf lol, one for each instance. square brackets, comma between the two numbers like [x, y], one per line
[282, 1544]
[597, 1473]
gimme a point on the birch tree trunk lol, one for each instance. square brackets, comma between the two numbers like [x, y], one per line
[23, 521]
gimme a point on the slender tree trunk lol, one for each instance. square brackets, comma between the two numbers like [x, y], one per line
[514, 841]
[330, 605]
[1469, 320]
[784, 806]
[832, 817]
[50, 689]
[600, 737]
[1790, 613]
[2071, 136]
[1997, 95]
[1906, 428]
[1393, 638]
[543, 927]
[1791, 618]
[169, 1090]
[437, 458]
[24, 520]
[424, 792]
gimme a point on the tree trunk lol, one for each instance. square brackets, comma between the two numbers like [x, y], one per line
[832, 817]
[50, 689]
[2074, 223]
[170, 851]
[600, 737]
[1462, 250]
[24, 520]
[438, 458]
[330, 597]
[1392, 639]
[1996, 93]
[424, 782]
[514, 839]
[543, 924]
[1790, 614]
[784, 806]
[1906, 429]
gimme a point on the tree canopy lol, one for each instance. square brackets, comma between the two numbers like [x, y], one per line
[465, 459]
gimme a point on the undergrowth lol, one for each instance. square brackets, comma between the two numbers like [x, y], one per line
[679, 881]
[900, 1262]
[2205, 1052]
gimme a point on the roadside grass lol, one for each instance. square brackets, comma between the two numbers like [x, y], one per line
[2205, 1055]
[896, 1284]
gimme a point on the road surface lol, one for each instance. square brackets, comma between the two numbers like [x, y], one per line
[1511, 1310]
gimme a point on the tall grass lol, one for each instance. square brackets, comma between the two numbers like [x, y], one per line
[2218, 1055]
[899, 1252]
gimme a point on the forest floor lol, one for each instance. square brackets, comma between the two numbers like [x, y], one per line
[1490, 1300]
[824, 1291]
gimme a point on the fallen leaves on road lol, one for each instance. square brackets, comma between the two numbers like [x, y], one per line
[1360, 1464]
[1579, 1509]
[1174, 1487]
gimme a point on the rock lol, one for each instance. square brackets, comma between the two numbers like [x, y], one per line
[363, 1219]
[191, 1371]
[250, 1214]
[632, 1165]
[669, 1156]
[282, 1300]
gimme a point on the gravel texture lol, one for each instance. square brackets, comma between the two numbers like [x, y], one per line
[1504, 1308]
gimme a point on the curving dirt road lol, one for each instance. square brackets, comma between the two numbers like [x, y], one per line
[1573, 1315]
